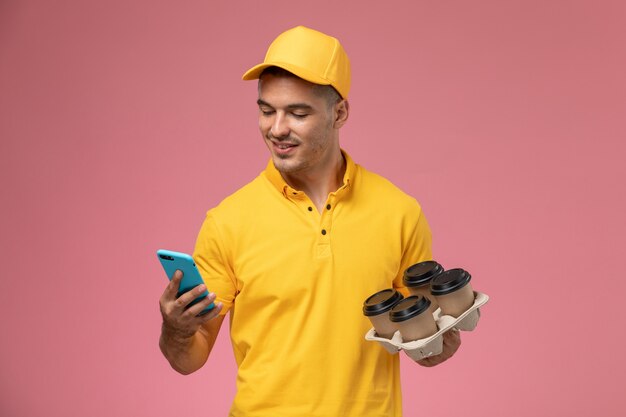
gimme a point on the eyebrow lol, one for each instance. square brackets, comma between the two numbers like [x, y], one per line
[293, 106]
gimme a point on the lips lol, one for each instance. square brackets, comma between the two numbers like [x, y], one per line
[284, 145]
[283, 148]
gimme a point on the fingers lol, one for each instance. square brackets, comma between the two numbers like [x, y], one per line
[168, 299]
[213, 313]
[451, 343]
[452, 340]
[172, 288]
[197, 309]
[426, 362]
[172, 305]
[180, 309]
[185, 299]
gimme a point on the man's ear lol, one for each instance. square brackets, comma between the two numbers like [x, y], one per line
[342, 111]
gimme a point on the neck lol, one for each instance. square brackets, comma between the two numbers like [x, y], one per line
[321, 182]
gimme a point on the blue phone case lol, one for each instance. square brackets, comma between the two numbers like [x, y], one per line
[173, 261]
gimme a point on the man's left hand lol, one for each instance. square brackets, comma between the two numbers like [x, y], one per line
[451, 343]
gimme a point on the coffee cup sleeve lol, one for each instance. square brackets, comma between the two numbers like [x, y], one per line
[466, 321]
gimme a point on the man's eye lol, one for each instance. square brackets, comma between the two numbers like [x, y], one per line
[266, 112]
[300, 115]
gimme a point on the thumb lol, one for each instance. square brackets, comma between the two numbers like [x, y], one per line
[175, 281]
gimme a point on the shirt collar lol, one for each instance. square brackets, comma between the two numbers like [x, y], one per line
[274, 177]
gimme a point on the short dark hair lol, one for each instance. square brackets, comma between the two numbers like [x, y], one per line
[328, 92]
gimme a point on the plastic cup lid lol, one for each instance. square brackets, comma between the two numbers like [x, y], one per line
[422, 273]
[409, 308]
[381, 302]
[449, 281]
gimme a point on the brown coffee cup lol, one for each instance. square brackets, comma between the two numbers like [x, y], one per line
[453, 291]
[417, 279]
[376, 308]
[413, 318]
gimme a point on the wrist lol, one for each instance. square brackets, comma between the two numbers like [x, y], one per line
[174, 339]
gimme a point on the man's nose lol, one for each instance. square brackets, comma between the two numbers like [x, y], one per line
[280, 127]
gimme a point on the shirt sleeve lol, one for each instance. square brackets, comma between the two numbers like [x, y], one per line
[213, 263]
[417, 244]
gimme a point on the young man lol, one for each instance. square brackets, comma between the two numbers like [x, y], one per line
[293, 255]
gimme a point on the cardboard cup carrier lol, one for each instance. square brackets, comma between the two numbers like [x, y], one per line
[410, 324]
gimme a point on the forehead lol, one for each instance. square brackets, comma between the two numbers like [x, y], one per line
[286, 90]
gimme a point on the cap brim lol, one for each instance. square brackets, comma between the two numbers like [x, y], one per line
[255, 72]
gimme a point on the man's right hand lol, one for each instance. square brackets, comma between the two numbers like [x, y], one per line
[186, 338]
[178, 321]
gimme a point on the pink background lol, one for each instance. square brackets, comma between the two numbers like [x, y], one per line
[122, 122]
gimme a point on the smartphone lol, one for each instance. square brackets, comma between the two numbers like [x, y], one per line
[173, 261]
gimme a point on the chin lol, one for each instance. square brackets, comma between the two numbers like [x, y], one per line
[285, 166]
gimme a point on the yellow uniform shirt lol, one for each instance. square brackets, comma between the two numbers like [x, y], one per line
[294, 281]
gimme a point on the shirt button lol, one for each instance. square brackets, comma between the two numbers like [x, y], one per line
[323, 231]
[327, 206]
[310, 208]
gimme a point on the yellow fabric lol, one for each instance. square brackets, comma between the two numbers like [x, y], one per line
[309, 54]
[295, 295]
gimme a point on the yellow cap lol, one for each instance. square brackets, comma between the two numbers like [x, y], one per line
[309, 54]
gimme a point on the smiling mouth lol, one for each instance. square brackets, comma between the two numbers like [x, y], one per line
[284, 145]
[283, 150]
